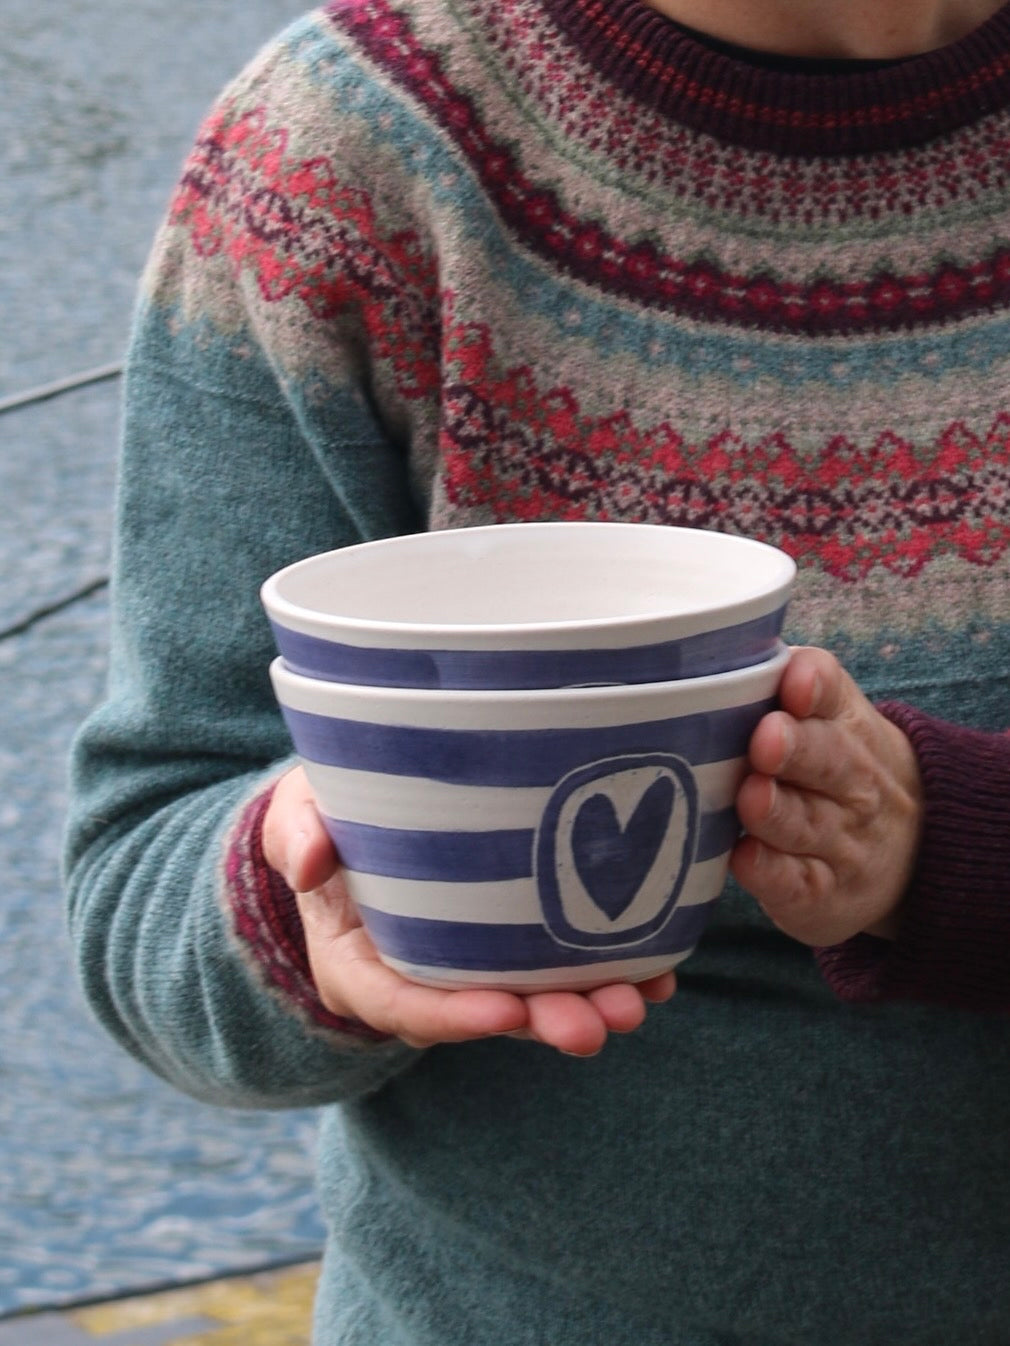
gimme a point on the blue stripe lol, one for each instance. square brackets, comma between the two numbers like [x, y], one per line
[696, 656]
[514, 948]
[475, 857]
[452, 857]
[516, 757]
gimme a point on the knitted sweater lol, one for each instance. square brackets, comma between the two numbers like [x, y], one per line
[445, 262]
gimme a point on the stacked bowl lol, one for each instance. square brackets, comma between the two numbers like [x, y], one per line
[525, 740]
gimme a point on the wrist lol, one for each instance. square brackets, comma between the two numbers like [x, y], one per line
[266, 921]
[952, 941]
[909, 805]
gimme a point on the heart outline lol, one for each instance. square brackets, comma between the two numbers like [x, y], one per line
[549, 852]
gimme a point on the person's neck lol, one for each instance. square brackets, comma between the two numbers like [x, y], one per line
[846, 29]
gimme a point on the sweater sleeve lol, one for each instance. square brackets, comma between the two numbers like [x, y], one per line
[260, 425]
[953, 944]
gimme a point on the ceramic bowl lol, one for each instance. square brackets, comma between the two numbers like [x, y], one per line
[531, 839]
[516, 606]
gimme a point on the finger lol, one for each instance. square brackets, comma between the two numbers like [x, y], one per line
[621, 1006]
[428, 1016]
[814, 683]
[828, 757]
[311, 857]
[772, 743]
[802, 822]
[424, 1015]
[794, 891]
[354, 982]
[657, 990]
[834, 762]
[621, 1016]
[295, 841]
[568, 1021]
[327, 914]
[814, 686]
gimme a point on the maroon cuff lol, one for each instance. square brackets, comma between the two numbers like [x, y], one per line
[265, 918]
[953, 944]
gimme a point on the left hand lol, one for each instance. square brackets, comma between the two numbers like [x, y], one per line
[354, 983]
[832, 808]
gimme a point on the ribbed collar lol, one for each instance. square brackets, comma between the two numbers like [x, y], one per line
[783, 112]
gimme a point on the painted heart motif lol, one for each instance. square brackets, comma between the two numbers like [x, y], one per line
[613, 862]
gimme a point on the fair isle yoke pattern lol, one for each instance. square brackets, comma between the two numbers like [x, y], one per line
[596, 271]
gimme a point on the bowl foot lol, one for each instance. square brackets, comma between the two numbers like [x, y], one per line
[531, 980]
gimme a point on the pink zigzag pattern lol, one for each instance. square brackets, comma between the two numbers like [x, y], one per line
[520, 452]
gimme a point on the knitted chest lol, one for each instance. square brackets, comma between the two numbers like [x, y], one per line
[570, 303]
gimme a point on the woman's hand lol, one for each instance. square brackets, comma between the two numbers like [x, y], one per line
[353, 983]
[832, 808]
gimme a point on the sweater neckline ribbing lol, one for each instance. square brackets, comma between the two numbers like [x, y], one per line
[816, 65]
[754, 105]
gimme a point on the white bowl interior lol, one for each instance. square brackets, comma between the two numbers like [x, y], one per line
[530, 575]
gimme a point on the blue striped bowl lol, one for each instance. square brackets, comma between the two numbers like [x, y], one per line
[516, 606]
[532, 840]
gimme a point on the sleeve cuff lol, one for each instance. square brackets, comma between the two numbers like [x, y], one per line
[265, 920]
[953, 944]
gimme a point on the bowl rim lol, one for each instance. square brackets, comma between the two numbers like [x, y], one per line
[420, 634]
[708, 689]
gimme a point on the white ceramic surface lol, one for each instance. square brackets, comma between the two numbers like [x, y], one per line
[531, 605]
[531, 839]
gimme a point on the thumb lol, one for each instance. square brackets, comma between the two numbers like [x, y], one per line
[295, 841]
[310, 857]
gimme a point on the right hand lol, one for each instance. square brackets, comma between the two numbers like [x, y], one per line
[832, 809]
[352, 982]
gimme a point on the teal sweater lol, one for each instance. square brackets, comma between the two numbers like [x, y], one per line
[438, 262]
